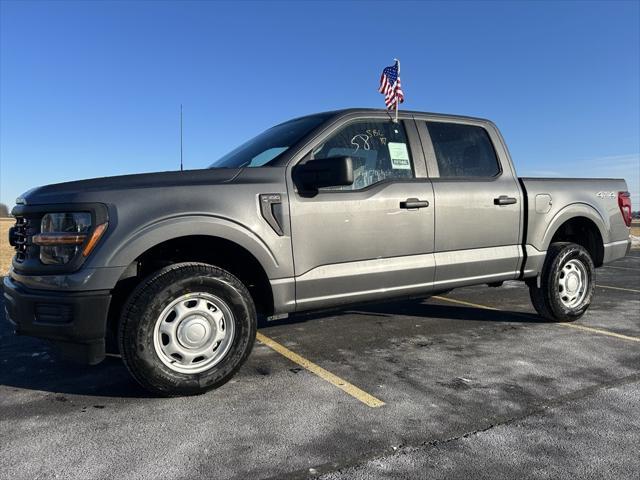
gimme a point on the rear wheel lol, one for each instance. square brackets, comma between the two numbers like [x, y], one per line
[187, 329]
[565, 287]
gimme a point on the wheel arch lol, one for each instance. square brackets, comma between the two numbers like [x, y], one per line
[152, 235]
[581, 224]
[220, 243]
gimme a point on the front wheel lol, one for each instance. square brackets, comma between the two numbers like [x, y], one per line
[187, 329]
[564, 290]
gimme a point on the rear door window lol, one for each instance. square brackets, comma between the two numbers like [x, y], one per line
[463, 150]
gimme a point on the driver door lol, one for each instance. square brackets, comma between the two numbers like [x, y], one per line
[365, 241]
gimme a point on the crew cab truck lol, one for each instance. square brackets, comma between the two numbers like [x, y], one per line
[325, 210]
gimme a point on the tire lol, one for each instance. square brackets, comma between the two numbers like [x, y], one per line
[567, 283]
[186, 329]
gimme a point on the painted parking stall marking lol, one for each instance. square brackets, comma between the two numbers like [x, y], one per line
[618, 288]
[462, 302]
[342, 384]
[568, 325]
[599, 331]
[621, 268]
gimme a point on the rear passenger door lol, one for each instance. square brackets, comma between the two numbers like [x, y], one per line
[477, 202]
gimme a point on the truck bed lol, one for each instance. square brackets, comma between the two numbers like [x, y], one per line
[550, 202]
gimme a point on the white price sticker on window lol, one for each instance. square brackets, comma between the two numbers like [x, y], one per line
[399, 156]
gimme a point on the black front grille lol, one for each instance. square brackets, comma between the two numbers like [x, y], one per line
[20, 238]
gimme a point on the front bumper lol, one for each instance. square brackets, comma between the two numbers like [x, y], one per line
[75, 322]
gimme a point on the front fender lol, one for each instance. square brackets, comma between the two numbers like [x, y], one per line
[132, 246]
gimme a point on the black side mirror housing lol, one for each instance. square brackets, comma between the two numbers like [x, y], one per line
[324, 172]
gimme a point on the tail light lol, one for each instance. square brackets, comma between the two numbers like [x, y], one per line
[624, 202]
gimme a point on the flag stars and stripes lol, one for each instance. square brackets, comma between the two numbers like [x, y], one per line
[391, 87]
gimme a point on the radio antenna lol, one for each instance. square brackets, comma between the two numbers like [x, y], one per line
[181, 164]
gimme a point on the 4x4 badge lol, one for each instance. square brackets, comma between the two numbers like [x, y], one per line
[606, 194]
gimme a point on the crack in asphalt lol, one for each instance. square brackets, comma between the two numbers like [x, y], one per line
[402, 449]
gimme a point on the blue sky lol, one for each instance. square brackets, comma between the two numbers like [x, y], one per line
[93, 89]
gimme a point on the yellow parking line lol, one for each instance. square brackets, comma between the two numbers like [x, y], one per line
[343, 385]
[570, 325]
[601, 332]
[461, 302]
[621, 268]
[619, 288]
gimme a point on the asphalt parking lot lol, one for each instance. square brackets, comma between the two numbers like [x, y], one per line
[472, 384]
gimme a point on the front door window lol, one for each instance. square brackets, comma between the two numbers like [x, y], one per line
[379, 149]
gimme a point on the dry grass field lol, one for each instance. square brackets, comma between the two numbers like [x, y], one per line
[6, 251]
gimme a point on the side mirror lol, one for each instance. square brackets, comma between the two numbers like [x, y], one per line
[324, 172]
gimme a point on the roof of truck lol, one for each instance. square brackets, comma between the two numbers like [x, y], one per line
[348, 111]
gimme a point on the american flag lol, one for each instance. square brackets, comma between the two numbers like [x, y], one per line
[390, 86]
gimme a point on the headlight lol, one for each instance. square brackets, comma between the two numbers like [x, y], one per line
[63, 235]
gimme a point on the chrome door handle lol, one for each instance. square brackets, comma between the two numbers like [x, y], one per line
[410, 203]
[504, 200]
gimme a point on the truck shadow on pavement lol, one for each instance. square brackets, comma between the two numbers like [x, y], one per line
[33, 364]
[413, 308]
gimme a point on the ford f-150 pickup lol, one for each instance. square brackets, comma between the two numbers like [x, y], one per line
[321, 211]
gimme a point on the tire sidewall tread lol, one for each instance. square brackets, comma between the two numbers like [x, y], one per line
[545, 298]
[148, 300]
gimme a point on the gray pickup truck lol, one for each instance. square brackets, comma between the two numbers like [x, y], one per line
[325, 210]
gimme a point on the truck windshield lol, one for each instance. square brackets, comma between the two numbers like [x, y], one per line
[264, 149]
